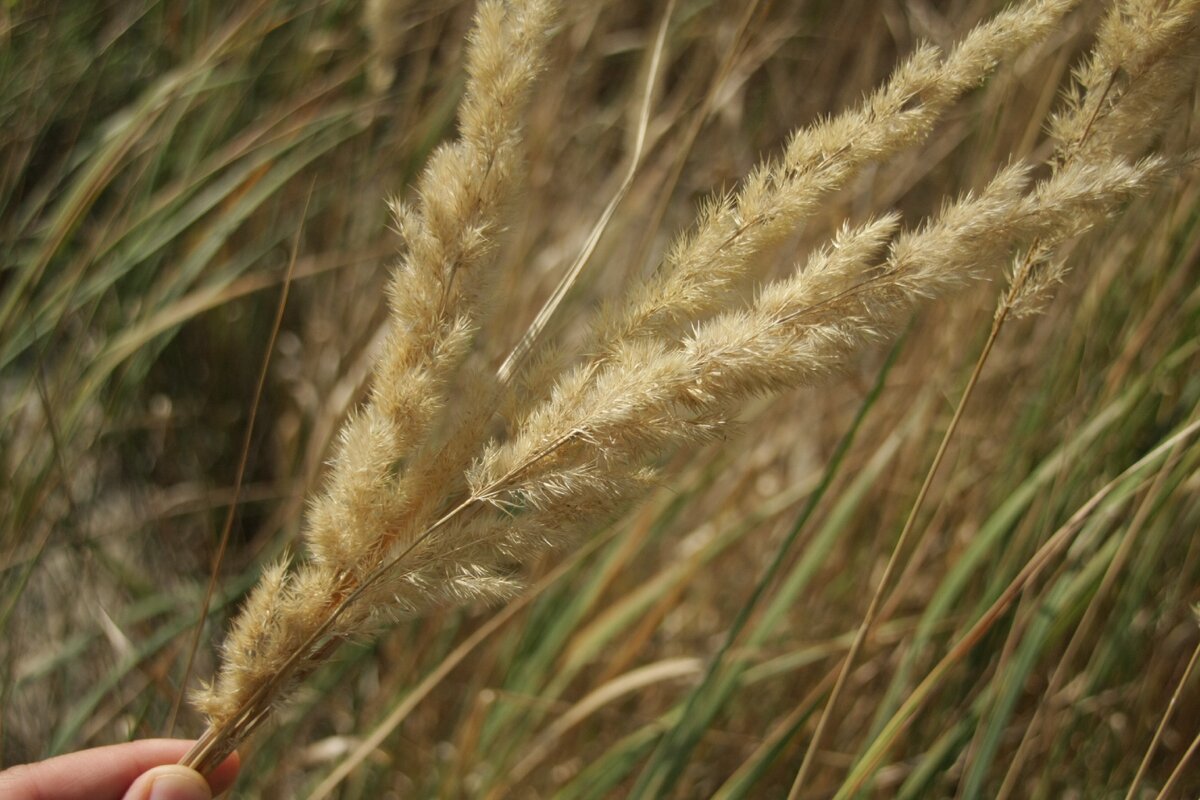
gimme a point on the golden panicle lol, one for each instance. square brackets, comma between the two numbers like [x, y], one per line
[242, 646]
[435, 298]
[733, 230]
[435, 290]
[420, 510]
[1137, 72]
[649, 394]
[1131, 81]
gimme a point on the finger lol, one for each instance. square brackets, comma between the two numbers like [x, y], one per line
[171, 782]
[102, 773]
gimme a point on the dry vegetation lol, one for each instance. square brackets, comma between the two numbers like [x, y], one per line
[855, 453]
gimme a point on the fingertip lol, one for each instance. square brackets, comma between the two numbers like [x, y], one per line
[170, 782]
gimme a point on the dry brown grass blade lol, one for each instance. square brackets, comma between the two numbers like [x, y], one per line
[515, 359]
[699, 118]
[231, 512]
[208, 298]
[1180, 770]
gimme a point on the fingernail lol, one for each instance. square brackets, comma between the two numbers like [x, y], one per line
[180, 786]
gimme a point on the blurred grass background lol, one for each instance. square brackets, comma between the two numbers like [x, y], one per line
[158, 160]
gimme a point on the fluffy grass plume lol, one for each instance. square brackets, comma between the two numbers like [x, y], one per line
[682, 530]
[389, 535]
[379, 498]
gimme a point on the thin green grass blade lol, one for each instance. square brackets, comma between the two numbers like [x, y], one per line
[1115, 495]
[1051, 619]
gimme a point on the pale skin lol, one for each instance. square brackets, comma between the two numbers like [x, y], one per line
[141, 770]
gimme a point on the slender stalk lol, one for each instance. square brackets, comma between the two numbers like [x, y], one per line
[516, 358]
[1015, 290]
[1162, 726]
[1054, 546]
[1177, 774]
[1050, 697]
[227, 528]
[893, 562]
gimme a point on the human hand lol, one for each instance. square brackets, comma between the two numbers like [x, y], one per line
[141, 770]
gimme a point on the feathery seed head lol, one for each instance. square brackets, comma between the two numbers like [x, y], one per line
[419, 510]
